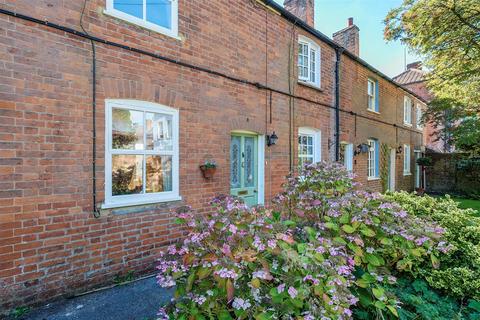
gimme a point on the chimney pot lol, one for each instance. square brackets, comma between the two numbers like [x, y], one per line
[350, 21]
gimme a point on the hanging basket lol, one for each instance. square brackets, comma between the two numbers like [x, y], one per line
[208, 172]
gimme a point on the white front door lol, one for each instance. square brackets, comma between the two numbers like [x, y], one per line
[418, 170]
[391, 170]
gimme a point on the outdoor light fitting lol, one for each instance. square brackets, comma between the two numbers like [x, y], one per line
[272, 139]
[361, 148]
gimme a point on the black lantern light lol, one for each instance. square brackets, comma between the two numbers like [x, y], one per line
[399, 149]
[361, 148]
[272, 139]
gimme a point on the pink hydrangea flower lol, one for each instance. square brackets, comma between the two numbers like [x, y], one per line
[233, 228]
[292, 292]
[240, 304]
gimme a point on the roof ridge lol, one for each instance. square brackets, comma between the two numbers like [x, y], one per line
[294, 19]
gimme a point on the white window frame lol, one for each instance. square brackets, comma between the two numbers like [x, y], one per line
[318, 62]
[407, 111]
[418, 116]
[371, 96]
[407, 154]
[138, 199]
[317, 142]
[371, 160]
[172, 32]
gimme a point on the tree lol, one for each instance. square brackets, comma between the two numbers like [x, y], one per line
[455, 125]
[447, 34]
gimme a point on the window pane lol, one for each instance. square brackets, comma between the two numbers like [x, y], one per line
[312, 65]
[249, 162]
[310, 140]
[159, 174]
[131, 7]
[127, 129]
[127, 174]
[159, 131]
[160, 12]
[370, 88]
[235, 162]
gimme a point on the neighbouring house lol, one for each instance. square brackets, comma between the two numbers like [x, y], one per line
[414, 79]
[109, 107]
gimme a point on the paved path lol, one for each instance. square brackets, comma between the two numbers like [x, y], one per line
[138, 300]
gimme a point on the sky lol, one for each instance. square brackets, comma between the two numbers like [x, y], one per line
[332, 15]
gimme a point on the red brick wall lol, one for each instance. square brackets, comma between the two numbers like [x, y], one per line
[354, 98]
[50, 244]
[431, 139]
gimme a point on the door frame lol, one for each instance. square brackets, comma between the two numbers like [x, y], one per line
[260, 163]
[392, 166]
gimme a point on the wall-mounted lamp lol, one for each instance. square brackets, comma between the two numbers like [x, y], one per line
[272, 139]
[399, 149]
[361, 148]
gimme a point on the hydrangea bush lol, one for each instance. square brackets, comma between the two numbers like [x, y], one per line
[324, 249]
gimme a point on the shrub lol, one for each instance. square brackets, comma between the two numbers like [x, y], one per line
[322, 248]
[459, 269]
[419, 301]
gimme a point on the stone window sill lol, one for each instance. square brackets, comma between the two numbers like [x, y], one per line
[309, 85]
[373, 111]
[123, 209]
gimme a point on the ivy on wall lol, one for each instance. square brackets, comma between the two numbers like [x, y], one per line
[384, 160]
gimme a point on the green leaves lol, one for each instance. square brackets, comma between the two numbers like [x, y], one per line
[224, 315]
[378, 292]
[348, 229]
[367, 231]
[446, 35]
[374, 260]
[264, 316]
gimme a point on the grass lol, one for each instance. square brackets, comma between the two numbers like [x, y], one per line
[119, 279]
[20, 312]
[468, 203]
[464, 203]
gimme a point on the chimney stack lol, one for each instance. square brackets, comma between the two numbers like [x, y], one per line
[349, 38]
[415, 65]
[303, 9]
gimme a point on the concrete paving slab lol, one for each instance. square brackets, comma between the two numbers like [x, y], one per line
[139, 300]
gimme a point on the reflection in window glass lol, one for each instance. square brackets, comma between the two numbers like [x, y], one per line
[305, 150]
[158, 174]
[249, 162]
[235, 162]
[159, 131]
[160, 12]
[131, 7]
[127, 129]
[127, 174]
[303, 60]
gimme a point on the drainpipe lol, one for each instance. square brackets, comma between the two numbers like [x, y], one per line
[338, 52]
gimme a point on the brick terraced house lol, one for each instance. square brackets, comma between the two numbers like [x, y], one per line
[109, 107]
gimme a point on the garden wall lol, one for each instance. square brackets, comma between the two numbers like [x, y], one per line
[451, 173]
